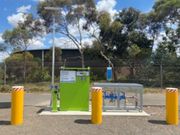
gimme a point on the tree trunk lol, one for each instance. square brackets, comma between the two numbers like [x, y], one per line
[132, 71]
[114, 74]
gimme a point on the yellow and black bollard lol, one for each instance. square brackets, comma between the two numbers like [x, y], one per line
[97, 102]
[172, 106]
[17, 105]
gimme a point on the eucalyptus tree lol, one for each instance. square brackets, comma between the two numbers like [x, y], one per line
[69, 19]
[164, 18]
[122, 37]
[20, 37]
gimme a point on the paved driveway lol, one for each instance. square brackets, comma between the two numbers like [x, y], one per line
[80, 125]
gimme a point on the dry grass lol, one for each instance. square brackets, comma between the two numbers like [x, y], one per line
[39, 87]
[29, 87]
[153, 90]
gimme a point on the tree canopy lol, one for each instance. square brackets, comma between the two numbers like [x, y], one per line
[69, 14]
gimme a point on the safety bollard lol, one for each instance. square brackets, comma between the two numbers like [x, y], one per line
[172, 106]
[17, 105]
[96, 106]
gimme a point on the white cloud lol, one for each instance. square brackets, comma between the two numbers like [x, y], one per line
[158, 40]
[88, 41]
[64, 42]
[36, 43]
[108, 6]
[86, 34]
[16, 18]
[3, 56]
[20, 17]
[74, 29]
[23, 9]
[1, 39]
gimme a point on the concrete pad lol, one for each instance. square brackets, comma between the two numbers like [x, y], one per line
[83, 113]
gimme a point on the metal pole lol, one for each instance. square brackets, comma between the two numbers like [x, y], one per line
[54, 90]
[53, 51]
[4, 72]
[53, 43]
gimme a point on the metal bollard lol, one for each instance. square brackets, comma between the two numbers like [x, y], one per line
[17, 105]
[172, 106]
[96, 106]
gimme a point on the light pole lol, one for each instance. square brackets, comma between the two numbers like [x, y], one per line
[53, 43]
[54, 92]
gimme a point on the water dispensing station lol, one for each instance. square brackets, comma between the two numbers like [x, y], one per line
[73, 92]
[72, 95]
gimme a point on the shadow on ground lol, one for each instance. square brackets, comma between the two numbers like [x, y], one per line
[4, 105]
[3, 122]
[40, 111]
[158, 122]
[82, 121]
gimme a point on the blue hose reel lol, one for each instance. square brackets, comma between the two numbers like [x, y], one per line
[112, 96]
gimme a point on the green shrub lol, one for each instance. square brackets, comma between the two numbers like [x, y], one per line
[39, 75]
[98, 74]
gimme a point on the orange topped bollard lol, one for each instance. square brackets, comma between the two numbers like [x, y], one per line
[172, 106]
[96, 106]
[17, 105]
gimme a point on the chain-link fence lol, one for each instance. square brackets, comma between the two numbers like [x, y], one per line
[148, 74]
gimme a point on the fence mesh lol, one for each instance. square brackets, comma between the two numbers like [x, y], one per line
[147, 73]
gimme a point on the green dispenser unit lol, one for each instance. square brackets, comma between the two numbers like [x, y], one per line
[74, 89]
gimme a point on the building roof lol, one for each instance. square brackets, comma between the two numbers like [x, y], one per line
[46, 49]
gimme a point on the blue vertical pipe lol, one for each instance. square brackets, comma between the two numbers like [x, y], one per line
[109, 73]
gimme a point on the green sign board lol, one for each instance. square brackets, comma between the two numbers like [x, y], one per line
[74, 89]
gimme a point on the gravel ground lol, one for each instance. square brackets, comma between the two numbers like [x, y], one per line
[80, 125]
